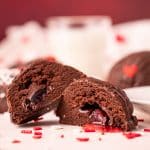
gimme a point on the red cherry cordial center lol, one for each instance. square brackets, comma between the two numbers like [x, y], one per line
[96, 114]
[130, 70]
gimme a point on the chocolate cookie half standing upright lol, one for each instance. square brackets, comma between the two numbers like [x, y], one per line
[91, 101]
[133, 70]
[38, 88]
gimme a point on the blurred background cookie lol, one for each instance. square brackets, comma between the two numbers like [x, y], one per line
[133, 70]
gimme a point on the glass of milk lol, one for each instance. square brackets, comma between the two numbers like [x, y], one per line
[81, 42]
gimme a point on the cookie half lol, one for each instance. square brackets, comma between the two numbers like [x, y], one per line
[38, 88]
[91, 101]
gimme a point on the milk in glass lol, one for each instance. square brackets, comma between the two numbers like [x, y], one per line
[81, 42]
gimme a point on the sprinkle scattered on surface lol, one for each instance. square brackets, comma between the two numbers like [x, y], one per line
[37, 128]
[37, 136]
[83, 139]
[37, 133]
[147, 130]
[26, 131]
[16, 141]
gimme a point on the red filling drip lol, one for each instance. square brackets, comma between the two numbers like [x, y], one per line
[131, 135]
[99, 128]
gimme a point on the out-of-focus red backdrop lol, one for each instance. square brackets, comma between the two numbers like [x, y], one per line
[20, 11]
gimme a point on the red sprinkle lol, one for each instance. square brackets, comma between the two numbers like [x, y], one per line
[16, 141]
[62, 136]
[147, 130]
[37, 136]
[83, 139]
[37, 128]
[37, 133]
[26, 131]
[130, 70]
[120, 38]
[131, 135]
[140, 120]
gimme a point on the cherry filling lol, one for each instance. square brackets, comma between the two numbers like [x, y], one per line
[96, 114]
[34, 98]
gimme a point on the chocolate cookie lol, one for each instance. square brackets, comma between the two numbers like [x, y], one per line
[20, 65]
[38, 88]
[6, 77]
[133, 70]
[91, 101]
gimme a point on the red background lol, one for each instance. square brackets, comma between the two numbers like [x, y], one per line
[19, 11]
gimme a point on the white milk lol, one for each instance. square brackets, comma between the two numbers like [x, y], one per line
[82, 47]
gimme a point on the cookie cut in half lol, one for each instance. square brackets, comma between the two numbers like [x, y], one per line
[91, 101]
[38, 88]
